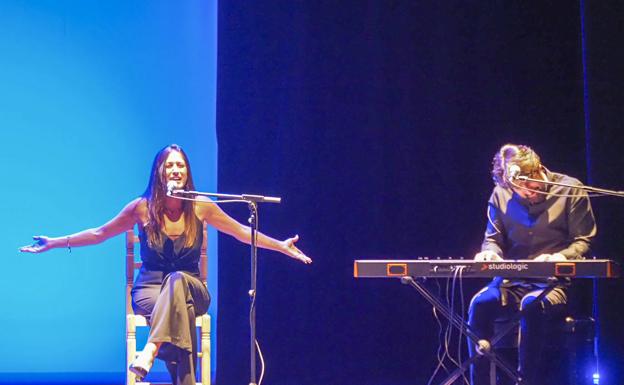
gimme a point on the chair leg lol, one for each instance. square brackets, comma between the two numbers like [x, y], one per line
[205, 349]
[205, 372]
[130, 347]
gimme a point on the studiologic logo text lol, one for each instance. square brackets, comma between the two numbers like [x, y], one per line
[505, 266]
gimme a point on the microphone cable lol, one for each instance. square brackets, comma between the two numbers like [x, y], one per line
[253, 306]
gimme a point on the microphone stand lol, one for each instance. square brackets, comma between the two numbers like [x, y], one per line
[591, 189]
[253, 225]
[595, 309]
[252, 202]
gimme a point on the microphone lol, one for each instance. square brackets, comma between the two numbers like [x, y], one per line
[513, 172]
[171, 186]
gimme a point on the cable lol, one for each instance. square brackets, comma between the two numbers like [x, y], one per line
[253, 301]
[463, 312]
[456, 276]
[447, 329]
[450, 300]
[450, 326]
[445, 333]
[261, 362]
[440, 328]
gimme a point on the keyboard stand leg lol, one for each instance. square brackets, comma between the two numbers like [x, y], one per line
[458, 323]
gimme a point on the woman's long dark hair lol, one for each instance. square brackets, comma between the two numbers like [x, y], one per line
[156, 193]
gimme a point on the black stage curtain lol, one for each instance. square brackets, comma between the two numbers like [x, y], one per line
[376, 121]
[604, 22]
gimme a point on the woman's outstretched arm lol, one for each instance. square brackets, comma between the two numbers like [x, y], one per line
[123, 221]
[215, 216]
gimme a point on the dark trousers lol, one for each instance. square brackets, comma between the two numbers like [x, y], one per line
[493, 303]
[171, 308]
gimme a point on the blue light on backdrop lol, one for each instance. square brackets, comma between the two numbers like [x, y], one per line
[90, 92]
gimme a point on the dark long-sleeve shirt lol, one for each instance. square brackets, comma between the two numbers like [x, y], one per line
[517, 229]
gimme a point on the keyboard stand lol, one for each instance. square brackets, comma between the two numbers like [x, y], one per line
[485, 350]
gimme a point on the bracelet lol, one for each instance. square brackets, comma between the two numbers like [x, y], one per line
[68, 246]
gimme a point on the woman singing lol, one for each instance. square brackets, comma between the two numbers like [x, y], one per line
[168, 290]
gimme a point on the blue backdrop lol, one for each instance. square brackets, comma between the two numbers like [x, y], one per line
[90, 92]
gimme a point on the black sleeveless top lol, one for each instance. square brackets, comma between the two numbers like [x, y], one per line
[171, 255]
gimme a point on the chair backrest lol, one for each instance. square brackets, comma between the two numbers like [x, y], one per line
[132, 265]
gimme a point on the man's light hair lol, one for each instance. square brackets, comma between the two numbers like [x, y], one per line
[515, 154]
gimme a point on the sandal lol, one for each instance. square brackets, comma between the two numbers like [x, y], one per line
[141, 365]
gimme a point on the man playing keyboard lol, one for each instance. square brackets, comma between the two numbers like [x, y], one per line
[527, 220]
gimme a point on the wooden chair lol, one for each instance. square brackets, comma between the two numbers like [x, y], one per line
[133, 320]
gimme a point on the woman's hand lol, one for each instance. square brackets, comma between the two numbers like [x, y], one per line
[41, 244]
[289, 248]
